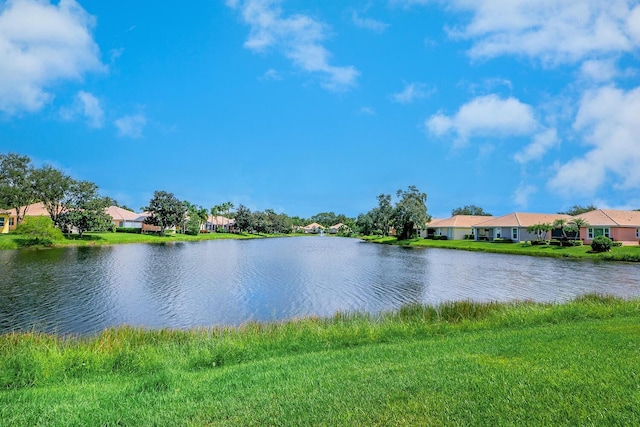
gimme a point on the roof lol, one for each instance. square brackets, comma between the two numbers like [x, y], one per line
[337, 226]
[220, 220]
[313, 225]
[118, 213]
[522, 219]
[462, 221]
[611, 217]
[34, 209]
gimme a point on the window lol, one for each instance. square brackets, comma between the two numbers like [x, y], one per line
[11, 222]
[638, 233]
[514, 233]
[497, 232]
[596, 232]
[1, 221]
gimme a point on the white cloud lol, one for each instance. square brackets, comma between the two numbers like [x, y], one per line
[131, 126]
[42, 44]
[368, 111]
[608, 120]
[410, 93]
[271, 74]
[485, 116]
[298, 37]
[368, 23]
[599, 70]
[554, 31]
[522, 195]
[87, 106]
[542, 142]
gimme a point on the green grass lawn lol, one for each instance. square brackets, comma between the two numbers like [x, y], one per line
[458, 364]
[624, 253]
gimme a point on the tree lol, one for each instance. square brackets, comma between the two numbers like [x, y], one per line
[226, 207]
[365, 224]
[215, 211]
[562, 224]
[540, 230]
[575, 225]
[383, 215]
[410, 211]
[53, 188]
[16, 184]
[165, 211]
[88, 215]
[470, 210]
[577, 210]
[244, 219]
[327, 219]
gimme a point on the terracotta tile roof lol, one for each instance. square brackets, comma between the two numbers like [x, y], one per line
[220, 220]
[522, 219]
[35, 209]
[117, 213]
[610, 217]
[462, 221]
[313, 225]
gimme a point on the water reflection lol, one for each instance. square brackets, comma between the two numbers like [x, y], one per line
[180, 285]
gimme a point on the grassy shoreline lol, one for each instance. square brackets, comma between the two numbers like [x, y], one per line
[460, 363]
[16, 241]
[624, 253]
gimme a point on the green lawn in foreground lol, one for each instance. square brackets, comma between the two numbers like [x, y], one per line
[459, 364]
[624, 253]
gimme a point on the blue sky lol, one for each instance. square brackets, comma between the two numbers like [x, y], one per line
[313, 106]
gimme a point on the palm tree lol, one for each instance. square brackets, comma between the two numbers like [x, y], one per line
[227, 206]
[577, 223]
[215, 211]
[561, 223]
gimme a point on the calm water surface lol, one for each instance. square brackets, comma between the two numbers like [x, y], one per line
[228, 282]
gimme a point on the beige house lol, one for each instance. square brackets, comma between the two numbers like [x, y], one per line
[10, 219]
[514, 226]
[458, 227]
[124, 218]
[313, 228]
[220, 223]
[622, 226]
[336, 228]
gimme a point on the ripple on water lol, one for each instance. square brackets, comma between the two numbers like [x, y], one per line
[181, 285]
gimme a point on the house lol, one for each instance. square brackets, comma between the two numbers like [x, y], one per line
[619, 225]
[313, 228]
[514, 226]
[221, 224]
[124, 218]
[336, 228]
[34, 209]
[426, 231]
[457, 227]
[4, 221]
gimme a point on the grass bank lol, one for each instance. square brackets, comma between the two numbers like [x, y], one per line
[16, 241]
[623, 253]
[457, 364]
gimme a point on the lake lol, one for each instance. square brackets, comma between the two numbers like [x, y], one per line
[82, 290]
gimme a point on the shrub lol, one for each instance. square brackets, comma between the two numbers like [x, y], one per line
[502, 240]
[131, 230]
[39, 230]
[601, 244]
[439, 237]
[616, 244]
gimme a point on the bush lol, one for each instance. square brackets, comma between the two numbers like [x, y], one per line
[39, 230]
[572, 243]
[502, 240]
[601, 244]
[616, 244]
[131, 230]
[439, 237]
